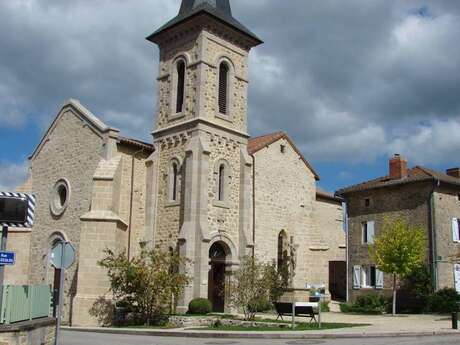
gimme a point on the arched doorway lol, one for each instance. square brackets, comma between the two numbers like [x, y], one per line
[216, 278]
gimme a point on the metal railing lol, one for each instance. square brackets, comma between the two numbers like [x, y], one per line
[25, 302]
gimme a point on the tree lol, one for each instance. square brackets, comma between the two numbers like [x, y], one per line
[151, 282]
[398, 250]
[249, 287]
[277, 280]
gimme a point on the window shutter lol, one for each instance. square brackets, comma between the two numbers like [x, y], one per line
[455, 234]
[223, 86]
[370, 232]
[457, 277]
[357, 277]
[378, 279]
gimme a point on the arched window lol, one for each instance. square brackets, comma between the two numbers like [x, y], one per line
[223, 88]
[222, 182]
[175, 177]
[282, 249]
[180, 86]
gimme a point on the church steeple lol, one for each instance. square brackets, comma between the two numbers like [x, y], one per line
[219, 9]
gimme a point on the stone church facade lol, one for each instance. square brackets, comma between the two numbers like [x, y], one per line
[203, 187]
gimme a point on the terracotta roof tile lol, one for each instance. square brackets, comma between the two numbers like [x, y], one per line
[137, 143]
[416, 174]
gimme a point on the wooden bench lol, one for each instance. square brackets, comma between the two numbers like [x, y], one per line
[308, 310]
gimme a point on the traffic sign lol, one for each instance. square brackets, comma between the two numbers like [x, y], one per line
[62, 255]
[7, 258]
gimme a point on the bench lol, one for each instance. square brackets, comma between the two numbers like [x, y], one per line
[308, 310]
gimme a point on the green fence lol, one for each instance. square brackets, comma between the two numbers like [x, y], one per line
[24, 302]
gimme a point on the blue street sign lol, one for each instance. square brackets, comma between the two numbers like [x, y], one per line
[7, 258]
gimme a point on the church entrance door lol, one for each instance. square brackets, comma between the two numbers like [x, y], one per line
[216, 277]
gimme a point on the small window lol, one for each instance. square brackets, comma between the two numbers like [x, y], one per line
[367, 202]
[180, 86]
[175, 176]
[368, 232]
[60, 197]
[282, 148]
[221, 183]
[223, 88]
[174, 181]
[368, 276]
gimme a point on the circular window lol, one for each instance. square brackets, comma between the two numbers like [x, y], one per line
[60, 197]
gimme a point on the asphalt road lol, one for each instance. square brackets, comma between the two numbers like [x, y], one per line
[76, 338]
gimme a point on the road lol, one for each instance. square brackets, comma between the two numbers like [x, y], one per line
[75, 338]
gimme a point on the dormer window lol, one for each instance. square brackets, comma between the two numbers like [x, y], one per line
[223, 88]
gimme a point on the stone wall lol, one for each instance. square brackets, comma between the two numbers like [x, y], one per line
[224, 216]
[36, 332]
[169, 214]
[285, 199]
[446, 206]
[328, 242]
[407, 201]
[72, 150]
[18, 242]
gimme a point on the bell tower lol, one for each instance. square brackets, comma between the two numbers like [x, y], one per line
[200, 174]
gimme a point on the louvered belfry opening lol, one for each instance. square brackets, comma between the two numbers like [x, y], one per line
[223, 87]
[180, 86]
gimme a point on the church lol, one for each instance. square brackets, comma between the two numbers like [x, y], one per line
[203, 186]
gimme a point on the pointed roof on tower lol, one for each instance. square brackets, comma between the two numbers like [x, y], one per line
[219, 9]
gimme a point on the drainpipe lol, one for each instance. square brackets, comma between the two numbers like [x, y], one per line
[253, 205]
[432, 225]
[131, 199]
[345, 229]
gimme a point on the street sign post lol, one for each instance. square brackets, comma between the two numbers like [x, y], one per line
[62, 257]
[18, 210]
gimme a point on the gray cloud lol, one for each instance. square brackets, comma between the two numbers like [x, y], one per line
[348, 80]
[13, 175]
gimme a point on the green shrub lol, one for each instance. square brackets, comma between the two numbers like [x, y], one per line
[415, 290]
[366, 304]
[199, 306]
[346, 308]
[325, 307]
[444, 301]
[264, 305]
[370, 304]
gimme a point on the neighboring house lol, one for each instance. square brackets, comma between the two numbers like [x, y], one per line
[421, 196]
[203, 187]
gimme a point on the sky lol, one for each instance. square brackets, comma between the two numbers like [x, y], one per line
[351, 82]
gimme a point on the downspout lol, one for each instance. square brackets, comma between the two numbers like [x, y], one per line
[253, 206]
[434, 249]
[131, 200]
[347, 261]
[345, 229]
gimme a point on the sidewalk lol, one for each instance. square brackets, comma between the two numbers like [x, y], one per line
[380, 326]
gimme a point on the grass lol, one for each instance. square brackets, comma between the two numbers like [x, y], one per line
[300, 327]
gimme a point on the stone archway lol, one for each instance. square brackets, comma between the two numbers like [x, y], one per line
[219, 254]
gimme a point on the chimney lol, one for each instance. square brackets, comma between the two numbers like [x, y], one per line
[398, 167]
[454, 172]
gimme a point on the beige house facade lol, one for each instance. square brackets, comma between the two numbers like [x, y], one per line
[203, 187]
[419, 195]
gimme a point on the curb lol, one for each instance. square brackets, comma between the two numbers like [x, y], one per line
[266, 335]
